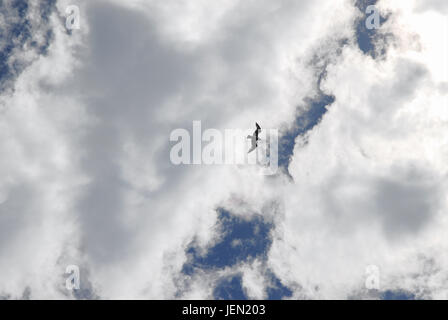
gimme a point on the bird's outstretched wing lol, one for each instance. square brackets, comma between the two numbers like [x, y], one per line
[257, 130]
[253, 142]
[252, 148]
[254, 138]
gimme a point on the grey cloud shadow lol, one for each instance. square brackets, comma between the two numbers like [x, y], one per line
[402, 204]
[16, 211]
[435, 5]
[129, 73]
[406, 207]
[389, 97]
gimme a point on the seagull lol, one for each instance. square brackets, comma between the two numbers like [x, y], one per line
[254, 138]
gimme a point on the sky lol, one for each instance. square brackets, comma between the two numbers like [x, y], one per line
[86, 116]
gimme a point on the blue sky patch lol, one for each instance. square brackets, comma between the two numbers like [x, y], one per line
[276, 290]
[242, 240]
[230, 288]
[397, 295]
[365, 37]
[305, 122]
[17, 33]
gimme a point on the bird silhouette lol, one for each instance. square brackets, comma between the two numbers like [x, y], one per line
[254, 138]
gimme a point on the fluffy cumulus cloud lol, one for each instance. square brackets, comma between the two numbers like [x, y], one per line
[86, 117]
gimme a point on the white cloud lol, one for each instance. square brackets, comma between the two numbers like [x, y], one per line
[371, 181]
[89, 179]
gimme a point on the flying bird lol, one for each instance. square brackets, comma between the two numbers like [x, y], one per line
[254, 138]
